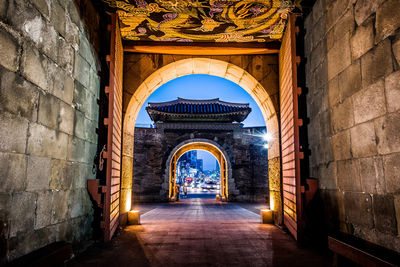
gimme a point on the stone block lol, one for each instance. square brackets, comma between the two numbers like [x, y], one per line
[321, 74]
[60, 206]
[396, 50]
[358, 209]
[72, 32]
[318, 10]
[387, 131]
[81, 70]
[376, 63]
[13, 172]
[328, 176]
[372, 176]
[339, 56]
[49, 111]
[94, 83]
[128, 141]
[49, 41]
[91, 134]
[79, 125]
[344, 26]
[336, 11]
[319, 30]
[365, 8]
[61, 173]
[77, 150]
[58, 17]
[348, 172]
[85, 50]
[350, 80]
[79, 203]
[3, 9]
[369, 103]
[18, 96]
[318, 55]
[342, 115]
[9, 51]
[43, 7]
[13, 133]
[363, 140]
[66, 55]
[80, 173]
[362, 40]
[384, 214]
[341, 145]
[47, 142]
[391, 165]
[333, 89]
[22, 215]
[66, 119]
[387, 21]
[63, 86]
[34, 67]
[38, 173]
[44, 209]
[23, 17]
[392, 90]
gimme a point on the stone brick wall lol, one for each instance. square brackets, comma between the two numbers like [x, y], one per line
[353, 76]
[48, 116]
[247, 156]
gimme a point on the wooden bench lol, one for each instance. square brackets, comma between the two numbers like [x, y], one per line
[352, 251]
[55, 254]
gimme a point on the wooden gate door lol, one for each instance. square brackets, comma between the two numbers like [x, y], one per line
[288, 95]
[106, 194]
[114, 125]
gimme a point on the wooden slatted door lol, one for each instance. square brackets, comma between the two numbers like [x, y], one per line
[289, 129]
[114, 134]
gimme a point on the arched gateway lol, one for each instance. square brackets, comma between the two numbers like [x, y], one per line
[200, 66]
[227, 184]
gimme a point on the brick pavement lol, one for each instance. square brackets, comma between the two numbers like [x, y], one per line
[201, 232]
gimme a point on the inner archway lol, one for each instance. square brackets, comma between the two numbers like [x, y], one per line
[201, 66]
[200, 144]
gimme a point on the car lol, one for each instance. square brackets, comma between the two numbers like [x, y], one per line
[209, 185]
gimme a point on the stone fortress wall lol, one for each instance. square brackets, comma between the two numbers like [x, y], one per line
[353, 77]
[248, 158]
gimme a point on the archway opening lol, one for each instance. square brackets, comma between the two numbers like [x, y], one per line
[202, 66]
[224, 172]
[198, 175]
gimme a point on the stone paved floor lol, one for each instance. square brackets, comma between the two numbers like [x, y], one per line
[201, 232]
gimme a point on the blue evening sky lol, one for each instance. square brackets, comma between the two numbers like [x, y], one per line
[202, 86]
[208, 159]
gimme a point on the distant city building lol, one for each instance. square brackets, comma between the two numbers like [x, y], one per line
[199, 165]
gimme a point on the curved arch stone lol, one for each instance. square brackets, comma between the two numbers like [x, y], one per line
[232, 191]
[201, 66]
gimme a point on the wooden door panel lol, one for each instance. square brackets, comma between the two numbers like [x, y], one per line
[289, 129]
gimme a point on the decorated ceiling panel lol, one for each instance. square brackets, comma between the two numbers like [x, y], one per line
[202, 20]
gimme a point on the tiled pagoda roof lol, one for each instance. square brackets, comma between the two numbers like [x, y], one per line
[198, 110]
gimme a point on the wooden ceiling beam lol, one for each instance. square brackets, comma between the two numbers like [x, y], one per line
[202, 49]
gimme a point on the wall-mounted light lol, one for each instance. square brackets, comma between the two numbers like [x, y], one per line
[266, 146]
[267, 137]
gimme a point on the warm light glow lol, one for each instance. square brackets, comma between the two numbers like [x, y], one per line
[266, 146]
[134, 211]
[128, 203]
[267, 137]
[271, 202]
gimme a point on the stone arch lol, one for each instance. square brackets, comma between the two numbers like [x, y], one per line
[211, 67]
[208, 145]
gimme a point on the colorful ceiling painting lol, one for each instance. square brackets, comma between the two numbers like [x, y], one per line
[202, 20]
